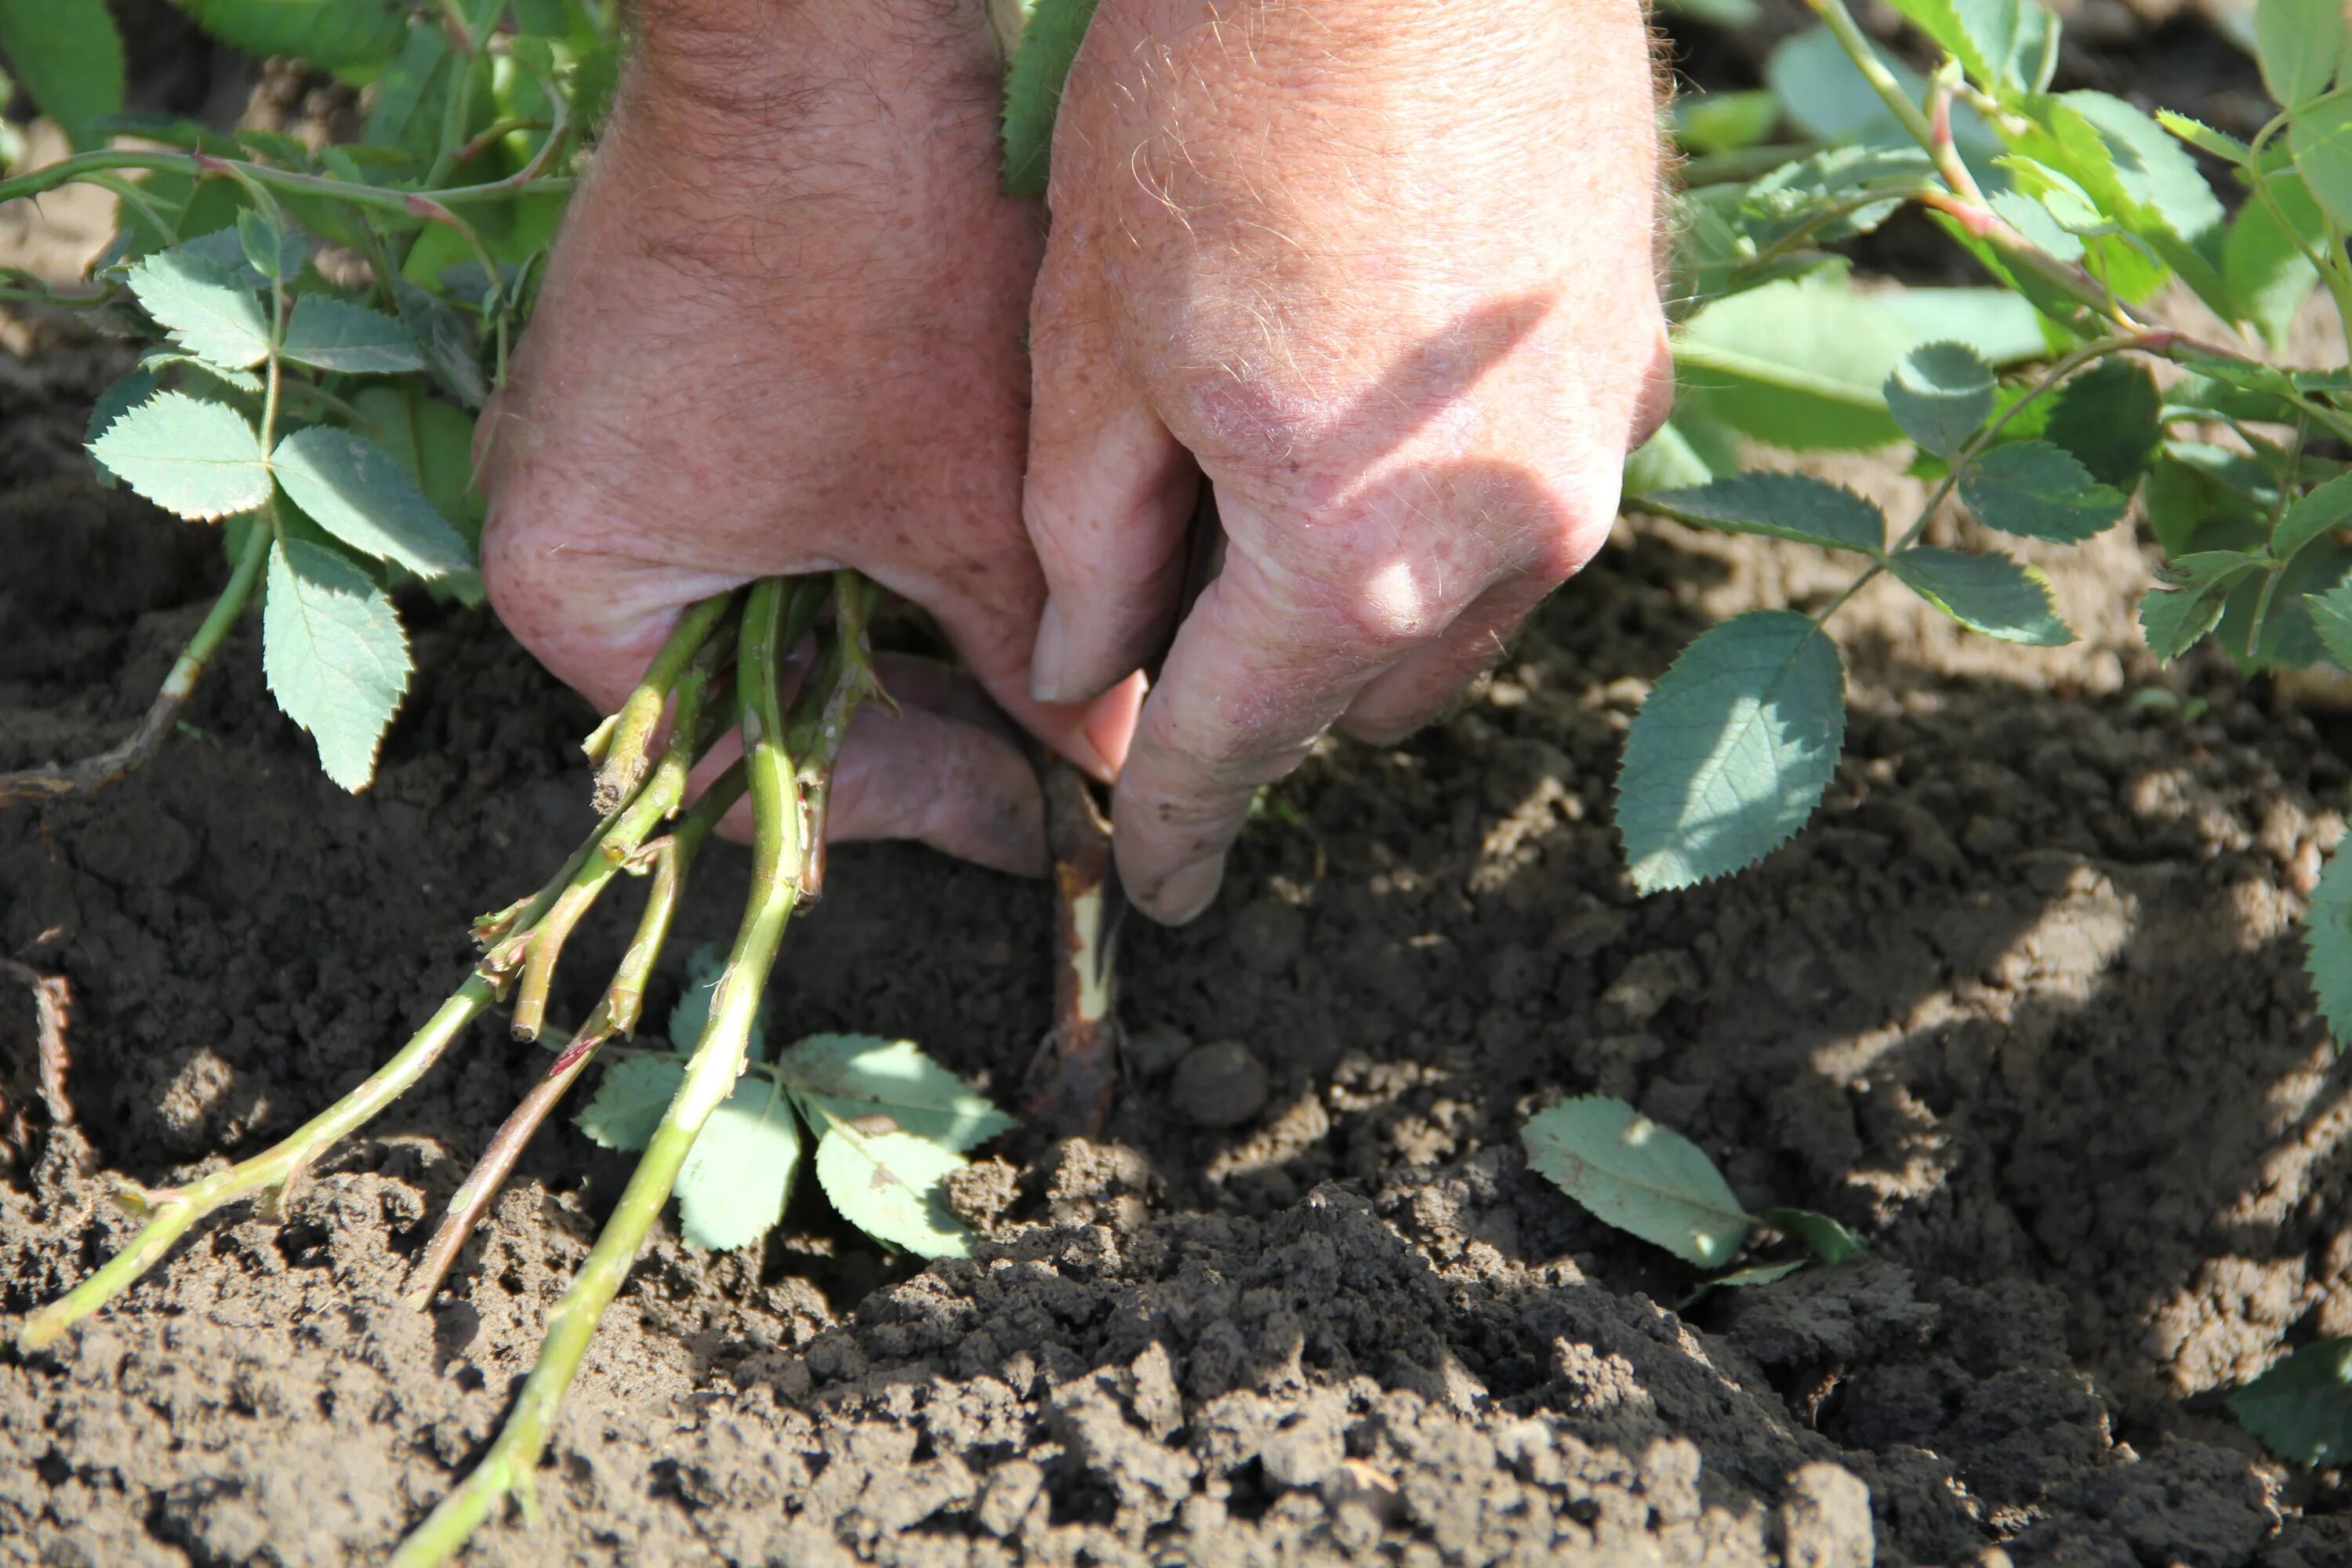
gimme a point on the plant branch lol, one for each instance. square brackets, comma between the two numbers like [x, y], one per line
[623, 744]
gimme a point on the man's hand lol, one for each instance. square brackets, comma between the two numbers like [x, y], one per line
[1383, 269]
[781, 333]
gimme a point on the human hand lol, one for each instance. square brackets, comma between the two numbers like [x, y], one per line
[780, 333]
[1384, 271]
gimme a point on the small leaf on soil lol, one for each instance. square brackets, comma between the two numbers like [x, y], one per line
[1939, 393]
[739, 1175]
[2038, 491]
[1730, 754]
[1830, 1241]
[1759, 1274]
[858, 1076]
[2328, 946]
[209, 310]
[199, 460]
[1784, 506]
[1638, 1176]
[630, 1100]
[1989, 594]
[335, 334]
[892, 1186]
[2302, 1408]
[334, 656]
[352, 489]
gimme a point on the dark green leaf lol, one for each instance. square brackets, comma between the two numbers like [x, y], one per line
[410, 95]
[2296, 42]
[880, 1085]
[738, 1177]
[893, 1186]
[432, 442]
[2321, 136]
[630, 1101]
[1638, 1176]
[1033, 89]
[2036, 490]
[1754, 1276]
[334, 334]
[210, 311]
[2302, 1408]
[2322, 510]
[2331, 618]
[2274, 631]
[2107, 418]
[267, 250]
[322, 32]
[2173, 618]
[1784, 506]
[68, 58]
[1730, 754]
[1830, 1241]
[199, 460]
[353, 490]
[1987, 594]
[448, 343]
[334, 656]
[1939, 393]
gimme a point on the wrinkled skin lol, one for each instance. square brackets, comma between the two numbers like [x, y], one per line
[1380, 271]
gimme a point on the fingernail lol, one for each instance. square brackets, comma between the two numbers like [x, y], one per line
[1048, 657]
[1186, 892]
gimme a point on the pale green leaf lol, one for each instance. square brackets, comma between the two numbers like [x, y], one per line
[322, 32]
[2302, 1408]
[2005, 45]
[334, 334]
[880, 1085]
[209, 310]
[1723, 121]
[738, 1177]
[692, 1016]
[269, 250]
[2266, 262]
[2321, 136]
[200, 460]
[1730, 754]
[2159, 182]
[1638, 1176]
[2322, 510]
[352, 489]
[1939, 393]
[1987, 594]
[2296, 42]
[244, 381]
[630, 1101]
[2198, 134]
[1828, 1240]
[2331, 618]
[448, 341]
[67, 57]
[121, 396]
[2174, 617]
[334, 656]
[2034, 219]
[2038, 491]
[1821, 93]
[1783, 506]
[893, 1186]
[1033, 89]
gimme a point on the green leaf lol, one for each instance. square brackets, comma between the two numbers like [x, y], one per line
[352, 488]
[2198, 134]
[67, 57]
[2302, 1408]
[1830, 1241]
[2322, 510]
[328, 33]
[210, 311]
[2331, 618]
[1638, 1176]
[157, 360]
[893, 1186]
[1804, 197]
[267, 250]
[432, 442]
[2296, 42]
[692, 1016]
[2321, 136]
[448, 343]
[2266, 263]
[1782, 506]
[1756, 1274]
[2038, 491]
[1939, 393]
[630, 1101]
[2159, 183]
[1678, 457]
[1723, 121]
[411, 93]
[334, 656]
[2173, 618]
[199, 460]
[882, 1086]
[738, 1177]
[2006, 45]
[1823, 95]
[2108, 420]
[121, 396]
[334, 334]
[1730, 754]
[1989, 594]
[1033, 89]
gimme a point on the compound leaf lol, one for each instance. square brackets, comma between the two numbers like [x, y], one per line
[1987, 594]
[2296, 42]
[1782, 506]
[2320, 510]
[335, 334]
[1939, 393]
[68, 56]
[352, 489]
[334, 655]
[1033, 89]
[2302, 1408]
[2321, 136]
[893, 1186]
[2038, 491]
[200, 460]
[629, 1102]
[1730, 754]
[210, 311]
[884, 1085]
[738, 1177]
[1638, 1176]
[2331, 618]
[323, 32]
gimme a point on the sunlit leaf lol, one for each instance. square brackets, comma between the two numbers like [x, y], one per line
[210, 311]
[2302, 1408]
[353, 490]
[334, 656]
[739, 1175]
[1033, 89]
[1638, 1176]
[200, 460]
[1987, 594]
[879, 1085]
[893, 1186]
[334, 334]
[1783, 506]
[2038, 491]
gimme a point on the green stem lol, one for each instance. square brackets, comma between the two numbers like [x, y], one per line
[710, 1074]
[1859, 49]
[286, 181]
[624, 750]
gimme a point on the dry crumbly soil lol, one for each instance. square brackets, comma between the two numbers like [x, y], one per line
[2024, 1007]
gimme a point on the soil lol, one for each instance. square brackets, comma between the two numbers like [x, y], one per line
[2024, 1007]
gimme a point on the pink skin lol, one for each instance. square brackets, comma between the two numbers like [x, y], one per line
[1380, 271]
